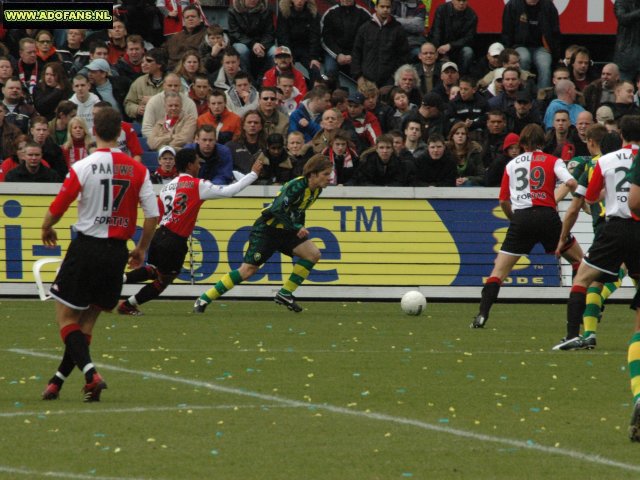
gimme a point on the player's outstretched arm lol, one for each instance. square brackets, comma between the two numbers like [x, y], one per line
[210, 191]
[136, 256]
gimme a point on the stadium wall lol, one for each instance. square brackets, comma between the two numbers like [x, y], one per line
[375, 243]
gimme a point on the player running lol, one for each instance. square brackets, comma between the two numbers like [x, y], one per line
[617, 242]
[281, 228]
[527, 199]
[110, 185]
[179, 201]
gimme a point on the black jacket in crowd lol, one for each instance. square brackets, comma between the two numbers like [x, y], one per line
[455, 28]
[42, 175]
[435, 173]
[475, 110]
[300, 31]
[339, 27]
[250, 28]
[379, 50]
[373, 172]
[515, 32]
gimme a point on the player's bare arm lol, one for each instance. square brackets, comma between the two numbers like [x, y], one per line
[49, 235]
[570, 218]
[136, 256]
[505, 205]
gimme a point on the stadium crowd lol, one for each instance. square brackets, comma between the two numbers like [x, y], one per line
[426, 107]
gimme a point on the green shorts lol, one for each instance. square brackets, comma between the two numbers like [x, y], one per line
[265, 240]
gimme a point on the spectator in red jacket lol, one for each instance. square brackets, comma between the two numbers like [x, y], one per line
[284, 63]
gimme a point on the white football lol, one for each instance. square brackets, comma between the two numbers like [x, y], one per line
[413, 303]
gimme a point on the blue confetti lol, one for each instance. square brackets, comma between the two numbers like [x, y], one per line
[443, 420]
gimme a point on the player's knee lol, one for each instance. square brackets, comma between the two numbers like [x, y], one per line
[315, 256]
[246, 270]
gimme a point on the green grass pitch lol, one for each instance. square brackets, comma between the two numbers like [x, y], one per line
[351, 390]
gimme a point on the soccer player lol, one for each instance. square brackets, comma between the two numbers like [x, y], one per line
[110, 185]
[617, 242]
[598, 291]
[281, 228]
[179, 202]
[633, 353]
[527, 199]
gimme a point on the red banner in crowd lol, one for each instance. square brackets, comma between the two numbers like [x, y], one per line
[576, 16]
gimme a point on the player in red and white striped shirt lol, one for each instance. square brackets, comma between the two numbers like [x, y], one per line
[180, 201]
[110, 185]
[527, 199]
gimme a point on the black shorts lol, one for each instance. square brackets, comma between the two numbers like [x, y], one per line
[530, 226]
[265, 240]
[91, 273]
[618, 243]
[167, 251]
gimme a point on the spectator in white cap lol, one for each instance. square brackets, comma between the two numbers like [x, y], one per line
[489, 62]
[449, 78]
[166, 170]
[284, 63]
[99, 73]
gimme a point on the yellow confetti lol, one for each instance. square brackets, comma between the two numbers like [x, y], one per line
[310, 375]
[117, 450]
[151, 440]
[468, 354]
[387, 435]
[476, 422]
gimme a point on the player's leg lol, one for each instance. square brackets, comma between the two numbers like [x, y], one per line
[575, 308]
[633, 360]
[261, 246]
[503, 265]
[309, 255]
[75, 329]
[142, 274]
[149, 292]
[592, 309]
[166, 257]
[222, 286]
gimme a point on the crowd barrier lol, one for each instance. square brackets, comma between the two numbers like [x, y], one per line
[376, 243]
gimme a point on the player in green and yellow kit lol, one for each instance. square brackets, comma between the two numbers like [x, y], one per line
[280, 228]
[599, 143]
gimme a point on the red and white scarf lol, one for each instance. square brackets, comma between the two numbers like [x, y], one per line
[32, 80]
[169, 123]
[347, 163]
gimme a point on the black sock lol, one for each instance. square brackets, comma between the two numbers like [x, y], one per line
[489, 296]
[575, 309]
[78, 348]
[65, 368]
[150, 291]
[141, 274]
